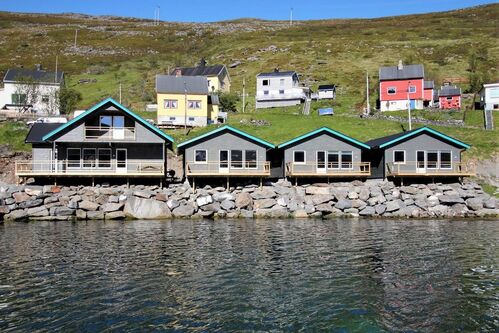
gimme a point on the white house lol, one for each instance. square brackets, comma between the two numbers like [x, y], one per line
[326, 91]
[277, 88]
[35, 91]
[489, 96]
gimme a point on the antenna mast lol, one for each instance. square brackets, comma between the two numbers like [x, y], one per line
[56, 60]
[368, 106]
[291, 17]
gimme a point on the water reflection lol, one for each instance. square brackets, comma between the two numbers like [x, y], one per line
[288, 275]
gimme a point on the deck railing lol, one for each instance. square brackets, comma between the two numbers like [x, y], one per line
[109, 133]
[412, 168]
[216, 168]
[89, 168]
[350, 169]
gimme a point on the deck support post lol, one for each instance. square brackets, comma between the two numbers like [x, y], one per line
[127, 182]
[228, 184]
[193, 183]
[328, 180]
[55, 181]
[402, 181]
[261, 183]
[161, 183]
[296, 181]
[433, 180]
[93, 181]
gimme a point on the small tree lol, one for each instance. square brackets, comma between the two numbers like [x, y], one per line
[228, 101]
[26, 93]
[68, 99]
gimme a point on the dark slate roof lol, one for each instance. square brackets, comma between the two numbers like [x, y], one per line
[429, 84]
[276, 74]
[327, 87]
[449, 91]
[39, 130]
[178, 84]
[407, 72]
[200, 70]
[42, 76]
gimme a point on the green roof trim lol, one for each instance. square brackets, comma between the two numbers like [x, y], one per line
[430, 130]
[327, 130]
[230, 129]
[119, 106]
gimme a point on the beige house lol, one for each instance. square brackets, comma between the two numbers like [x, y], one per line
[217, 75]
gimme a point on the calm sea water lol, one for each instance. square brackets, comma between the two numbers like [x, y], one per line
[241, 276]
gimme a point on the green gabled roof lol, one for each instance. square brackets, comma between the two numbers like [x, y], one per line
[119, 106]
[387, 141]
[230, 129]
[327, 130]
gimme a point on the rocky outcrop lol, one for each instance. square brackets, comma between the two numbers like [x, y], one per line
[274, 200]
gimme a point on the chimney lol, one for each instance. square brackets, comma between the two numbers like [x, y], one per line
[202, 62]
[400, 65]
[276, 70]
[38, 67]
[178, 72]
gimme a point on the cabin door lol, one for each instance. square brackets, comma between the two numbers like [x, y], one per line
[321, 162]
[420, 161]
[121, 160]
[223, 164]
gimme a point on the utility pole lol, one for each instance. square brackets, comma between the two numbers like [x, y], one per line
[291, 17]
[120, 92]
[409, 105]
[185, 107]
[158, 15]
[244, 94]
[76, 37]
[56, 61]
[368, 106]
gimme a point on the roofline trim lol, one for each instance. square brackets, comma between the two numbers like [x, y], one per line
[229, 128]
[97, 106]
[323, 129]
[426, 129]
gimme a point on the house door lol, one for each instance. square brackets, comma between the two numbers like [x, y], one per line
[413, 104]
[420, 161]
[321, 162]
[121, 160]
[223, 161]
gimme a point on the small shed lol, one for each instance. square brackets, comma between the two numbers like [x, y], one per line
[327, 91]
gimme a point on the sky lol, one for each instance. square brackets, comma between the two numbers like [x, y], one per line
[218, 10]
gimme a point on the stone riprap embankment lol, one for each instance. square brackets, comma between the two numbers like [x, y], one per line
[275, 200]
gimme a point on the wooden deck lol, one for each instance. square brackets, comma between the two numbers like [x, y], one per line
[214, 169]
[360, 169]
[415, 169]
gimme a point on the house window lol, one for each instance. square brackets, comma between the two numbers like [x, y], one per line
[281, 92]
[236, 159]
[333, 160]
[250, 158]
[89, 157]
[391, 90]
[104, 157]
[45, 99]
[170, 103]
[449, 98]
[299, 157]
[265, 92]
[445, 160]
[200, 156]
[191, 118]
[172, 118]
[112, 121]
[74, 158]
[18, 99]
[194, 104]
[265, 82]
[106, 121]
[412, 89]
[281, 82]
[399, 157]
[432, 159]
[346, 160]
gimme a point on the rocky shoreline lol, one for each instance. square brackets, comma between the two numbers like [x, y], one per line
[273, 200]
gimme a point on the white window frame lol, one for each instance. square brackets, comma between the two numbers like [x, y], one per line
[110, 158]
[242, 159]
[349, 152]
[339, 159]
[83, 158]
[437, 166]
[388, 90]
[67, 158]
[245, 161]
[405, 156]
[440, 159]
[206, 155]
[304, 157]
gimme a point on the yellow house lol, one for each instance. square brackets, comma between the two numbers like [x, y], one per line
[217, 75]
[185, 100]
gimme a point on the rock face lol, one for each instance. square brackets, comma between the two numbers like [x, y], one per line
[274, 200]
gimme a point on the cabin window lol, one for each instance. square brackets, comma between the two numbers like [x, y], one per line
[432, 159]
[200, 156]
[170, 103]
[299, 157]
[18, 99]
[104, 157]
[250, 158]
[265, 82]
[445, 160]
[45, 99]
[74, 157]
[346, 160]
[333, 160]
[236, 159]
[412, 89]
[391, 90]
[194, 104]
[399, 157]
[89, 157]
[281, 92]
[106, 121]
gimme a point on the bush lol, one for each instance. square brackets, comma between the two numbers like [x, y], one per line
[69, 98]
[228, 101]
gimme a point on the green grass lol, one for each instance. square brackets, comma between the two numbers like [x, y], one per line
[13, 134]
[489, 189]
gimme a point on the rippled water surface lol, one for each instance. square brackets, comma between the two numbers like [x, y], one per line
[235, 276]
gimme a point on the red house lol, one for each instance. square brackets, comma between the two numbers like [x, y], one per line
[429, 92]
[401, 85]
[449, 97]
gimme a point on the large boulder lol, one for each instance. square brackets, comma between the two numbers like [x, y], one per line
[450, 199]
[30, 203]
[394, 205]
[141, 208]
[264, 203]
[222, 196]
[367, 211]
[343, 204]
[88, 205]
[38, 211]
[265, 193]
[95, 215]
[204, 200]
[325, 208]
[61, 211]
[244, 200]
[117, 215]
[112, 207]
[474, 203]
[317, 190]
[20, 197]
[409, 190]
[491, 203]
[16, 215]
[185, 210]
[227, 204]
[321, 198]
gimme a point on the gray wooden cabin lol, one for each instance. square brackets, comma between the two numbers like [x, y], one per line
[423, 152]
[324, 153]
[226, 152]
[107, 140]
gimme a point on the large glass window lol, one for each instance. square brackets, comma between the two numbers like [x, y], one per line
[170, 103]
[106, 121]
[250, 157]
[346, 160]
[432, 160]
[265, 82]
[333, 160]
[193, 104]
[104, 157]
[200, 156]
[224, 159]
[118, 121]
[89, 158]
[299, 156]
[18, 99]
[236, 159]
[74, 157]
[399, 156]
[445, 160]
